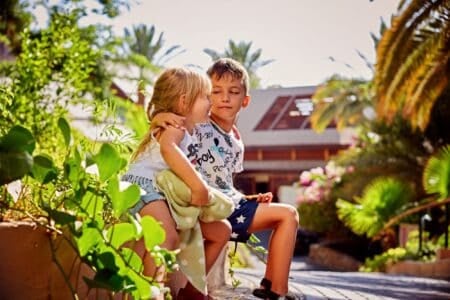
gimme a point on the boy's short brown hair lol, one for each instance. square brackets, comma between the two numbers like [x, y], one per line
[232, 67]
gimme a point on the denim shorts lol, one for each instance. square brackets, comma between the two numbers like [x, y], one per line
[146, 199]
[151, 194]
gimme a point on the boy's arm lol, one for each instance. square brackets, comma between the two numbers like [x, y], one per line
[261, 198]
[177, 161]
[167, 119]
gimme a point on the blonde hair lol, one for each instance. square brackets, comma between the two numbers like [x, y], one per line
[170, 86]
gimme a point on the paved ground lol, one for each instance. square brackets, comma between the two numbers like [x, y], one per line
[311, 283]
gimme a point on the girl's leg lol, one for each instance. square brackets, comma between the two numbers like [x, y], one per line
[216, 235]
[160, 211]
[283, 220]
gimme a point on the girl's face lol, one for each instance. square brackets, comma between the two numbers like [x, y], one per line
[200, 110]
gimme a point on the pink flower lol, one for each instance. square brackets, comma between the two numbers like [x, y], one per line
[305, 178]
[317, 171]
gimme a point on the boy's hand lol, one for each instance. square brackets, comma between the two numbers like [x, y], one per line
[168, 119]
[261, 198]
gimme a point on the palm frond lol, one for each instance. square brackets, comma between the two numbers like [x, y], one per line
[409, 53]
[240, 51]
[212, 53]
[348, 99]
[381, 200]
[323, 115]
[396, 42]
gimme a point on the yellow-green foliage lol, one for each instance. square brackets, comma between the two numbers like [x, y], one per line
[381, 200]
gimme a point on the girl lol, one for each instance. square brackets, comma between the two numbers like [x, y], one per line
[183, 92]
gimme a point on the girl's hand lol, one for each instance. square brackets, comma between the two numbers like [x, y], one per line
[166, 119]
[200, 196]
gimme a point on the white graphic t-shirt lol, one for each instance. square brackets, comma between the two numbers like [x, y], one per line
[220, 154]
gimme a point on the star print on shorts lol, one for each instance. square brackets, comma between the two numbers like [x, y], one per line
[240, 220]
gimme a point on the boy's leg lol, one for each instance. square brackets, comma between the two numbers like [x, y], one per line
[216, 235]
[283, 220]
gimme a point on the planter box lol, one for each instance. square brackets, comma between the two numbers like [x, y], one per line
[28, 268]
[439, 269]
[332, 259]
[443, 253]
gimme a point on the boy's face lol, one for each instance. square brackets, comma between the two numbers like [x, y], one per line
[228, 96]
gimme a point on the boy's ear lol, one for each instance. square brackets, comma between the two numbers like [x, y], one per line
[246, 101]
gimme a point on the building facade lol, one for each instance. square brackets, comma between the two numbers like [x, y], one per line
[279, 141]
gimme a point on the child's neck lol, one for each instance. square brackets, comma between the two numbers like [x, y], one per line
[189, 126]
[226, 125]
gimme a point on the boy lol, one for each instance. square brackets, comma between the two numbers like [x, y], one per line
[220, 155]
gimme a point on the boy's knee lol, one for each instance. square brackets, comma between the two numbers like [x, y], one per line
[221, 232]
[292, 214]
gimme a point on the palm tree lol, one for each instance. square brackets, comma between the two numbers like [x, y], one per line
[145, 51]
[348, 102]
[241, 52]
[413, 61]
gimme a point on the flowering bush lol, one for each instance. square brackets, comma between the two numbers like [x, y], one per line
[315, 185]
[316, 205]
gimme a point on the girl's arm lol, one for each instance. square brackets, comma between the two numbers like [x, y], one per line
[177, 161]
[167, 119]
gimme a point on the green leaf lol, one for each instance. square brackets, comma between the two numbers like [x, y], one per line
[92, 204]
[61, 218]
[121, 201]
[132, 259]
[105, 279]
[143, 290]
[153, 232]
[18, 139]
[120, 233]
[44, 170]
[108, 162]
[73, 169]
[106, 259]
[14, 165]
[65, 130]
[89, 238]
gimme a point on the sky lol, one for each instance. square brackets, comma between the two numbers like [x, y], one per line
[299, 35]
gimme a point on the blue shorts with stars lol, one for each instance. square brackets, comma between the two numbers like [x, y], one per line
[240, 220]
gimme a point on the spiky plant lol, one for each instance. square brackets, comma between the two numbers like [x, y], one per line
[413, 61]
[436, 175]
[381, 199]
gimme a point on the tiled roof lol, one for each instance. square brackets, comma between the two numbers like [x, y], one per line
[280, 117]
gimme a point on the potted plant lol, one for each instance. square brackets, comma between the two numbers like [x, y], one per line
[66, 232]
